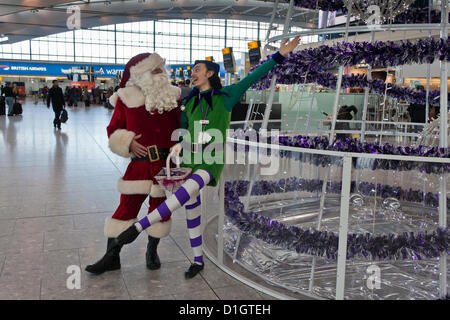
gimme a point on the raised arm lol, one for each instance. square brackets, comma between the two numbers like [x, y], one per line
[236, 91]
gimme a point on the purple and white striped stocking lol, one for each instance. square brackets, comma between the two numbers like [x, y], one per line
[193, 219]
[188, 194]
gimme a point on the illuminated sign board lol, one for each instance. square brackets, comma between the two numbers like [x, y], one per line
[254, 45]
[228, 60]
[54, 69]
[254, 52]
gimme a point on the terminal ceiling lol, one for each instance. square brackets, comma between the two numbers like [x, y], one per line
[27, 19]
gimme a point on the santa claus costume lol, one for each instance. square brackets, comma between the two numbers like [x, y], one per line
[146, 111]
[211, 110]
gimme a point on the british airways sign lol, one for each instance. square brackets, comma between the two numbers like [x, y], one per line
[56, 69]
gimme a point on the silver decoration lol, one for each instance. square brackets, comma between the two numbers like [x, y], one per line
[357, 200]
[430, 136]
[400, 279]
[377, 11]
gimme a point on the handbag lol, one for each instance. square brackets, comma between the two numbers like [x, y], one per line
[64, 116]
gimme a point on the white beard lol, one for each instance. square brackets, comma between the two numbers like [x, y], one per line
[160, 94]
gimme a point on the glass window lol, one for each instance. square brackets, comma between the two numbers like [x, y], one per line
[173, 41]
[43, 47]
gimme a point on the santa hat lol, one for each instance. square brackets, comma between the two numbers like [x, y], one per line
[139, 64]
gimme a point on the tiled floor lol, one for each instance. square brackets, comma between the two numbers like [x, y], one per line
[56, 189]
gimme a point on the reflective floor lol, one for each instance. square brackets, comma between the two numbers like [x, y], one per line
[56, 189]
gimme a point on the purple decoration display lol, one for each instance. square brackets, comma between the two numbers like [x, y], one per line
[411, 15]
[418, 15]
[325, 5]
[325, 244]
[356, 146]
[264, 187]
[310, 65]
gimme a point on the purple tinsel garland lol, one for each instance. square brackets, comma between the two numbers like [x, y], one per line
[379, 54]
[355, 146]
[411, 15]
[329, 80]
[325, 5]
[325, 244]
[314, 62]
[315, 185]
[418, 15]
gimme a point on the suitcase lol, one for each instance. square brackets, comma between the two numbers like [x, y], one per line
[17, 108]
[2, 106]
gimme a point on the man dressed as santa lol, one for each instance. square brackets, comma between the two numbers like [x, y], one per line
[145, 115]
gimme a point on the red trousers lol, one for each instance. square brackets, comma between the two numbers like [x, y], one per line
[130, 204]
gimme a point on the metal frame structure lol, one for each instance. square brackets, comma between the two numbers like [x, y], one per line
[218, 258]
[348, 157]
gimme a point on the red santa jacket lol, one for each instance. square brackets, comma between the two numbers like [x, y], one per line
[131, 118]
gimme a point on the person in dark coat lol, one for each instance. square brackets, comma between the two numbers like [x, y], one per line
[344, 114]
[9, 98]
[417, 112]
[55, 94]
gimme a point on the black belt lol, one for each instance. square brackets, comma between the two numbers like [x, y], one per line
[154, 154]
[196, 147]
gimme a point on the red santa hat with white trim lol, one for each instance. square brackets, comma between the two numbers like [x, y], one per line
[139, 64]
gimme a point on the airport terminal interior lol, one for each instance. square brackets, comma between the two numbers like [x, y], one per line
[314, 137]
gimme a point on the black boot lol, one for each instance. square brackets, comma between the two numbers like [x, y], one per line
[126, 237]
[110, 261]
[151, 255]
[193, 270]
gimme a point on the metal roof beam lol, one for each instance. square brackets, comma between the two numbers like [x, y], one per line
[249, 10]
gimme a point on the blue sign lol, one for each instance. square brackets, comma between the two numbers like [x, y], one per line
[61, 70]
[53, 69]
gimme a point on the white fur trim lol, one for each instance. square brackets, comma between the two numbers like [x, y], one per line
[134, 186]
[119, 142]
[148, 64]
[157, 191]
[160, 229]
[114, 227]
[113, 99]
[131, 96]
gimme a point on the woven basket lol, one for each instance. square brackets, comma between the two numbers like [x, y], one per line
[172, 178]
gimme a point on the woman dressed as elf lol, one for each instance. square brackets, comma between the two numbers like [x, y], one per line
[207, 109]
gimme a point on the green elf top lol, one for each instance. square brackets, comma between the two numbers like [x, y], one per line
[207, 112]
